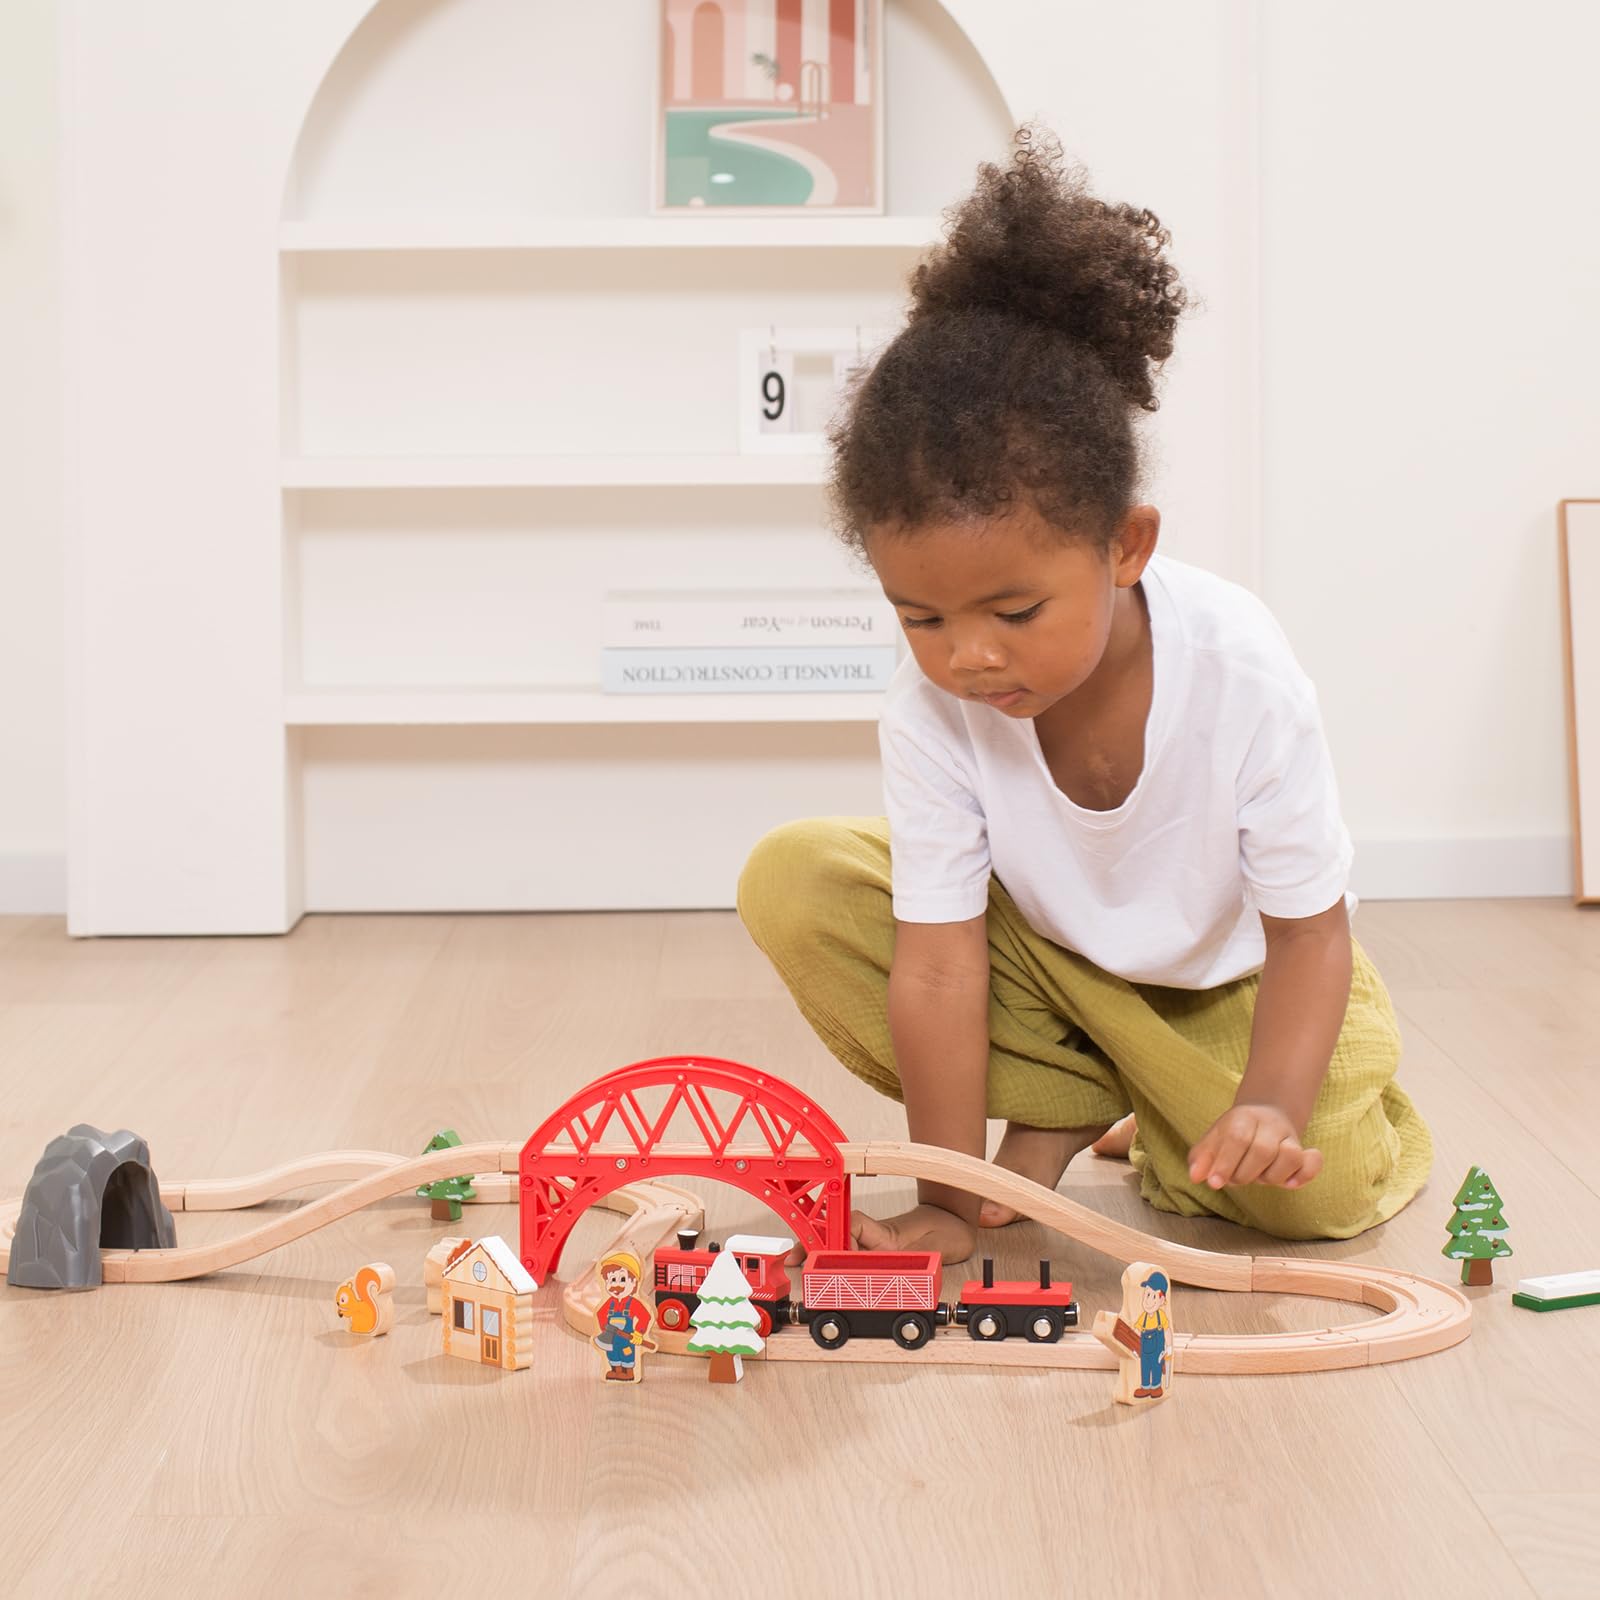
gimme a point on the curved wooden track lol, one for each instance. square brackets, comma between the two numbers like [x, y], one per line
[1417, 1315]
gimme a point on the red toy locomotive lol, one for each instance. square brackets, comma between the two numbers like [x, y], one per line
[679, 1274]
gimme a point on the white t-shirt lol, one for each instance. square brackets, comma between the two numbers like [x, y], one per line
[1236, 810]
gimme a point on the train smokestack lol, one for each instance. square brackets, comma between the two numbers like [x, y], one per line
[1044, 1274]
[687, 1237]
[988, 1272]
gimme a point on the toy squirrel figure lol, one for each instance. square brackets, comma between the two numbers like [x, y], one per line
[367, 1300]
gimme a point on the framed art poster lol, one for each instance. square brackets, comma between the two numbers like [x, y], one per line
[769, 107]
[1580, 593]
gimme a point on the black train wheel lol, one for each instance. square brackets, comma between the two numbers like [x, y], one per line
[987, 1322]
[1045, 1325]
[912, 1330]
[829, 1329]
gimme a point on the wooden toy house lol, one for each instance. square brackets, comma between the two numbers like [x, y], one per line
[487, 1308]
[437, 1259]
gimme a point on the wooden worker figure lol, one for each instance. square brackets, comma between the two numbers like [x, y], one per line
[1152, 1326]
[1141, 1332]
[623, 1319]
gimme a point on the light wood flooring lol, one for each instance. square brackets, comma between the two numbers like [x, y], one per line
[226, 1436]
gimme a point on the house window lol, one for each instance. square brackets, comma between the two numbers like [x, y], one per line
[491, 1323]
[463, 1315]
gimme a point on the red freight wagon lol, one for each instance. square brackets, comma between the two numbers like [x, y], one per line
[879, 1294]
[1040, 1311]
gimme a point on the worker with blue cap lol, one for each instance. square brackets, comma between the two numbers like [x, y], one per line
[1153, 1327]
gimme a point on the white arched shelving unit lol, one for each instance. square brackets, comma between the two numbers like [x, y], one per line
[507, 392]
[396, 375]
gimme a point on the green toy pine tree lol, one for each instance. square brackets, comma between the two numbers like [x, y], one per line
[1477, 1230]
[725, 1322]
[448, 1193]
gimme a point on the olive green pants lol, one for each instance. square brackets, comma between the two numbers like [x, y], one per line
[1072, 1046]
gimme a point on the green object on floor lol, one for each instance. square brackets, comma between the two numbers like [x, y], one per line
[1477, 1229]
[447, 1192]
[1534, 1303]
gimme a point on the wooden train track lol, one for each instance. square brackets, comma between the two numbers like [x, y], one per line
[1417, 1316]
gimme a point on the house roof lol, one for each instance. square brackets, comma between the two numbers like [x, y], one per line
[499, 1252]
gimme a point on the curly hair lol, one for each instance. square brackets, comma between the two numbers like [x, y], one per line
[1031, 340]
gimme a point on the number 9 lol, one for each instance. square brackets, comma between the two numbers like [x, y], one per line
[772, 393]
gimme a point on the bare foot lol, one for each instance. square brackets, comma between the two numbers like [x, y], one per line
[1117, 1141]
[921, 1228]
[1038, 1153]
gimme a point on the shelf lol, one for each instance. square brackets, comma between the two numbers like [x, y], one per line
[345, 708]
[549, 472]
[609, 233]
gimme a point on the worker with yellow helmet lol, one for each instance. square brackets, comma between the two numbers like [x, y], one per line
[623, 1318]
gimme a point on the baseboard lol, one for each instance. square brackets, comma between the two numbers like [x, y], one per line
[1385, 869]
[33, 885]
[1462, 869]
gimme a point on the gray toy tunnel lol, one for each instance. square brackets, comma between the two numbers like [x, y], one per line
[90, 1190]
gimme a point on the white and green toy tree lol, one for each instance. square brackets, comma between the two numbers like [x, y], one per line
[725, 1322]
[1477, 1230]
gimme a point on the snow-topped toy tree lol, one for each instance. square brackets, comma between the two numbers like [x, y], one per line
[725, 1321]
[1477, 1229]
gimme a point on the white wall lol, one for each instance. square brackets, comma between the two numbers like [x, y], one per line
[1430, 331]
[33, 804]
[1428, 227]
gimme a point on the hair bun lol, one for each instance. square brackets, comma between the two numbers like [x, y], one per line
[1032, 243]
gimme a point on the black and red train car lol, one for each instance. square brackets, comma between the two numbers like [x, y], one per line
[1041, 1312]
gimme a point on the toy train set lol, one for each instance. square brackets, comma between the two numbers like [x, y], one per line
[95, 1213]
[869, 1294]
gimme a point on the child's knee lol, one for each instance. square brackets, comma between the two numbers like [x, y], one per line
[784, 874]
[1321, 1210]
[1344, 1199]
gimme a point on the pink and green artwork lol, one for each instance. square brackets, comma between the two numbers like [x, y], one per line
[770, 105]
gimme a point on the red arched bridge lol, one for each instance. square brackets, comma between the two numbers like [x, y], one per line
[726, 1122]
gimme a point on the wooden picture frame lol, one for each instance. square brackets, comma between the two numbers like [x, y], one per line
[724, 68]
[1579, 527]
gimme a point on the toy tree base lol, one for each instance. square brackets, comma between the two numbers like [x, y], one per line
[446, 1211]
[726, 1368]
[1477, 1273]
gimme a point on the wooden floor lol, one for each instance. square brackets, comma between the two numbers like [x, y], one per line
[227, 1436]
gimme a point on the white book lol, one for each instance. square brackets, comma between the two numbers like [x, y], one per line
[691, 619]
[1560, 1285]
[748, 670]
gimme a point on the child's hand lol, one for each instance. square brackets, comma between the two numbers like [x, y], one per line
[1253, 1144]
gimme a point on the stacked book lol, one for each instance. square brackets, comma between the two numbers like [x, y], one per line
[810, 641]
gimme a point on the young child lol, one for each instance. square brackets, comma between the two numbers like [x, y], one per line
[1112, 875]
